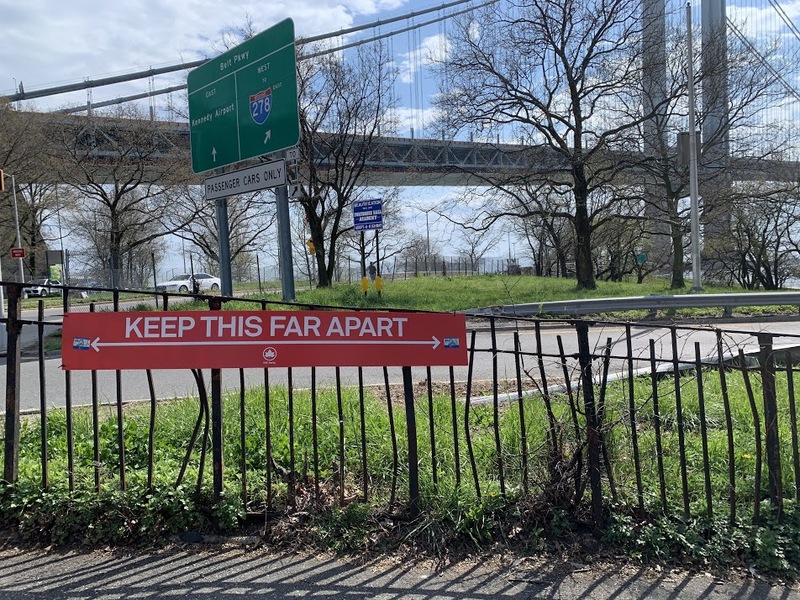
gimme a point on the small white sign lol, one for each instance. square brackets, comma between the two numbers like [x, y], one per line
[252, 179]
[293, 154]
[294, 190]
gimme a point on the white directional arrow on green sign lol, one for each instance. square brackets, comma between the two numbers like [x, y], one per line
[243, 103]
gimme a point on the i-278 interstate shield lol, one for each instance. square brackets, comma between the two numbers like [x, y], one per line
[248, 339]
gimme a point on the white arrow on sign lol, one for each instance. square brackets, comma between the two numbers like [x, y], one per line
[267, 135]
[214, 154]
[434, 342]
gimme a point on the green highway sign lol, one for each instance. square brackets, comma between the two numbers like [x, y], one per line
[243, 103]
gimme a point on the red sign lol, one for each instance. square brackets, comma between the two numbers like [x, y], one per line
[18, 253]
[240, 339]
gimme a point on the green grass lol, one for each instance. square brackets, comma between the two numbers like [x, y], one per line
[455, 513]
[463, 293]
[452, 293]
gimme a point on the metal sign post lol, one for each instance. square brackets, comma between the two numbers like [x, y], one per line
[3, 341]
[243, 104]
[367, 215]
[225, 276]
[285, 243]
[21, 276]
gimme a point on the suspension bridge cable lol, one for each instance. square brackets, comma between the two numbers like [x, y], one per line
[786, 19]
[92, 83]
[331, 50]
[787, 86]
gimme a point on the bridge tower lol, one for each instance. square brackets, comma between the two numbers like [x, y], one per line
[714, 133]
[714, 61]
[716, 179]
[657, 246]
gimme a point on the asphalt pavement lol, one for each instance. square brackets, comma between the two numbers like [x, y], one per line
[227, 572]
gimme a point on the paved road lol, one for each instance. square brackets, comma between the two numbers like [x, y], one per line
[225, 573]
[171, 384]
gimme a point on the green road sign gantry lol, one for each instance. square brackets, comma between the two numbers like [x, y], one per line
[243, 103]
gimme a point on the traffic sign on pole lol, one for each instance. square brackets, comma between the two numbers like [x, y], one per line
[243, 103]
[252, 179]
[260, 339]
[18, 253]
[367, 214]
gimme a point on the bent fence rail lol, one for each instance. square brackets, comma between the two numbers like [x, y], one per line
[589, 417]
[593, 306]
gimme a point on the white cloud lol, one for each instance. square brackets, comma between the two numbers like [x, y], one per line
[431, 50]
[51, 42]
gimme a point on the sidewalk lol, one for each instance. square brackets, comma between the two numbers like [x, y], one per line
[225, 573]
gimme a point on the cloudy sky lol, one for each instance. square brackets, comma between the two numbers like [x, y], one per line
[46, 43]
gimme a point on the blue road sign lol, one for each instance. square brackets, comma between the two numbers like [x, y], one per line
[368, 214]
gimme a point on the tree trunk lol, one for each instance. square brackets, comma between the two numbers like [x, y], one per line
[584, 270]
[676, 235]
[115, 251]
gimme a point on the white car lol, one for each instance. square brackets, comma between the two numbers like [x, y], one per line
[183, 283]
[40, 288]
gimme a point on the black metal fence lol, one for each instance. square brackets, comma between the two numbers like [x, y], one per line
[588, 416]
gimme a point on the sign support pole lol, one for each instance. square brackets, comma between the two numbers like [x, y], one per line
[364, 281]
[224, 247]
[2, 312]
[285, 242]
[216, 421]
[378, 280]
[21, 276]
[413, 456]
[694, 206]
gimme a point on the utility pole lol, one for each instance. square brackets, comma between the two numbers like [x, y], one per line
[16, 222]
[697, 285]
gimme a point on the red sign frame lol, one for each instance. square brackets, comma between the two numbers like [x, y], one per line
[18, 253]
[262, 339]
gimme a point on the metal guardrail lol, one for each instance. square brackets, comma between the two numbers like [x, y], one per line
[591, 306]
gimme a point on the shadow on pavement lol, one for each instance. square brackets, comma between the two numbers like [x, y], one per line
[228, 573]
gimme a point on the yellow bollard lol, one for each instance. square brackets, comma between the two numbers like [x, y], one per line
[364, 285]
[379, 283]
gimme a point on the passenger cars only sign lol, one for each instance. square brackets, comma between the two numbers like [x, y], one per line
[234, 339]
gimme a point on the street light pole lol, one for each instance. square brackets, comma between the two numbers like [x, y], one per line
[428, 232]
[697, 285]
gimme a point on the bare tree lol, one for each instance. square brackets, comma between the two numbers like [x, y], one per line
[344, 106]
[250, 220]
[547, 237]
[416, 253]
[474, 243]
[561, 76]
[742, 137]
[142, 240]
[40, 207]
[762, 248]
[22, 140]
[122, 169]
